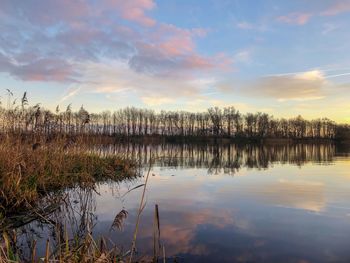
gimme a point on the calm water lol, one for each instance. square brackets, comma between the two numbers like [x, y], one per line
[223, 204]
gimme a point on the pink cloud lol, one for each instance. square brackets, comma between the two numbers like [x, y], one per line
[217, 62]
[198, 62]
[223, 61]
[52, 11]
[90, 32]
[301, 18]
[339, 7]
[46, 12]
[134, 10]
[177, 46]
[171, 51]
[174, 41]
[45, 70]
[295, 18]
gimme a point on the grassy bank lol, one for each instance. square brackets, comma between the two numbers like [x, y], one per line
[29, 169]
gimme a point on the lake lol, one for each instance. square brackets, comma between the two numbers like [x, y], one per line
[219, 203]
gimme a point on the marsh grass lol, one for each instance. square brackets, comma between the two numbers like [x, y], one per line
[86, 250]
[29, 169]
[68, 248]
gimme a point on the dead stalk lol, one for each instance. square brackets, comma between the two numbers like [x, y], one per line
[139, 212]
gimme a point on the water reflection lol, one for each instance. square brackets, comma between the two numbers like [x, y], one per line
[283, 205]
[75, 217]
[226, 157]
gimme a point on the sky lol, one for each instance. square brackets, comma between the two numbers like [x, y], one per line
[281, 57]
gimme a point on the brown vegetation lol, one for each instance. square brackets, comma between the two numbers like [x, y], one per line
[31, 169]
[79, 245]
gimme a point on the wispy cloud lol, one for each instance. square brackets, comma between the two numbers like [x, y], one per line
[303, 86]
[329, 27]
[134, 10]
[69, 94]
[302, 18]
[110, 77]
[338, 75]
[38, 69]
[337, 8]
[296, 18]
[244, 25]
[157, 100]
[322, 72]
[244, 56]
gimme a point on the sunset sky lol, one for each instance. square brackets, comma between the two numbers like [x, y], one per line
[277, 56]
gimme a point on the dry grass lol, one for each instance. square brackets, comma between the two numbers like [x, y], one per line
[86, 248]
[31, 169]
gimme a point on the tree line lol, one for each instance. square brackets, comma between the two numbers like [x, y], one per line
[20, 117]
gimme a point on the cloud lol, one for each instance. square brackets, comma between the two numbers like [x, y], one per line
[250, 26]
[71, 92]
[166, 67]
[243, 56]
[157, 100]
[51, 11]
[171, 51]
[45, 69]
[134, 10]
[44, 12]
[245, 25]
[60, 40]
[338, 75]
[301, 18]
[338, 8]
[309, 85]
[110, 77]
[296, 18]
[5, 63]
[328, 28]
[116, 80]
[174, 41]
[205, 101]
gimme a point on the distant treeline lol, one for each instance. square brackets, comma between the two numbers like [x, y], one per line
[19, 117]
